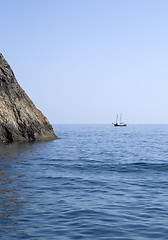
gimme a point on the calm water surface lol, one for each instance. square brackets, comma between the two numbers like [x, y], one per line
[96, 182]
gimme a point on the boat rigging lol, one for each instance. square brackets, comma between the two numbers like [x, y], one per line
[120, 123]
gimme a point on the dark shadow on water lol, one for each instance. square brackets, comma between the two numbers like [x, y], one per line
[11, 150]
[8, 149]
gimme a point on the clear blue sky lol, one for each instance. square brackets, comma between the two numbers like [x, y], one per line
[82, 61]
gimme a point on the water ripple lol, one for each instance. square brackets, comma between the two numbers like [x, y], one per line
[96, 182]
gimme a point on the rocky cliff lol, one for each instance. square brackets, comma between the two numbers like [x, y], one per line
[20, 120]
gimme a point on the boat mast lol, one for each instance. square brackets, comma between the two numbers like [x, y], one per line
[117, 118]
[120, 117]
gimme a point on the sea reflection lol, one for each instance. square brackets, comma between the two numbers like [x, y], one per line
[12, 189]
[14, 150]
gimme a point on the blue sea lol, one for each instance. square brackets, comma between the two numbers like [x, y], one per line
[95, 182]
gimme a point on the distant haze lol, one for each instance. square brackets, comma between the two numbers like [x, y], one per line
[84, 61]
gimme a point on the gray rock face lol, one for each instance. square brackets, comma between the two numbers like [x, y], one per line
[20, 120]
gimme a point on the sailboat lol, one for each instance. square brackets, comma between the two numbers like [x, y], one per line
[119, 124]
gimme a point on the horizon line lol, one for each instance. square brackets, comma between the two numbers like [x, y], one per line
[108, 124]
